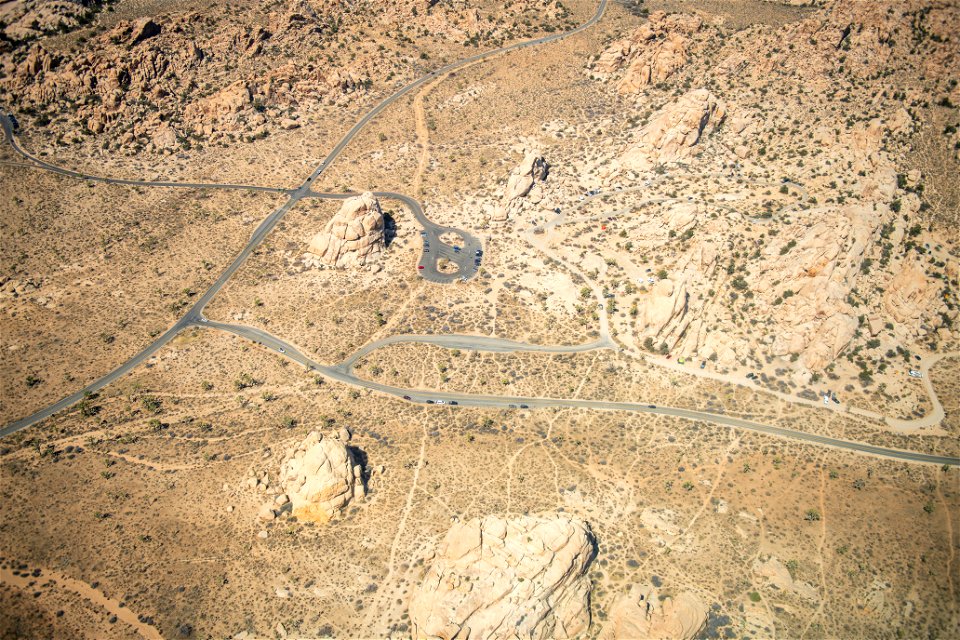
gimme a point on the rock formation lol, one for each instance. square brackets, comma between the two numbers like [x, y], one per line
[522, 577]
[910, 293]
[320, 476]
[522, 182]
[353, 235]
[653, 53]
[674, 131]
[642, 613]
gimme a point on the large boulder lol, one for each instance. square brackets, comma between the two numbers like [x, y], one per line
[910, 293]
[523, 179]
[320, 476]
[522, 577]
[353, 235]
[643, 613]
[675, 130]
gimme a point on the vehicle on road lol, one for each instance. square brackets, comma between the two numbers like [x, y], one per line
[423, 233]
[441, 402]
[512, 406]
[202, 319]
[454, 402]
[524, 406]
[280, 349]
[456, 249]
[419, 266]
[406, 397]
[651, 406]
[429, 401]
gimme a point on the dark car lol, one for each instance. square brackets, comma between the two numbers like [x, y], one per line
[406, 397]
[512, 406]
[453, 402]
[703, 364]
[429, 401]
[524, 406]
[651, 406]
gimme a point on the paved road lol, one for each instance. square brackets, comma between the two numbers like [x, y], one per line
[195, 314]
[343, 373]
[470, 343]
[8, 132]
[466, 260]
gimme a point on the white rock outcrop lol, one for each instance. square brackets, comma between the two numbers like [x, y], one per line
[675, 130]
[320, 476]
[353, 235]
[522, 577]
[524, 179]
[653, 53]
[642, 613]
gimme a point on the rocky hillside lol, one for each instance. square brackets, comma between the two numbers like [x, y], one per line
[826, 110]
[175, 80]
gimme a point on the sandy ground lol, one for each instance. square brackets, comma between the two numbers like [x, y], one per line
[140, 494]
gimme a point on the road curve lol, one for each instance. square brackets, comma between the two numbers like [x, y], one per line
[195, 313]
[471, 343]
[342, 373]
[8, 131]
[466, 257]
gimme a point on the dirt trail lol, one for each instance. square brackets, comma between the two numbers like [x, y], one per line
[402, 524]
[84, 590]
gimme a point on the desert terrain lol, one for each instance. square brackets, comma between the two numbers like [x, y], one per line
[493, 318]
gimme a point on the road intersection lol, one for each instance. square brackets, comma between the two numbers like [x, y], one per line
[464, 260]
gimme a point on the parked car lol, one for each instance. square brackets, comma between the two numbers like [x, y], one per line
[429, 401]
[681, 360]
[441, 402]
[419, 266]
[703, 364]
[915, 374]
[454, 402]
[524, 406]
[406, 397]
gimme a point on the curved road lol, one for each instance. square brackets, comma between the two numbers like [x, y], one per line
[342, 373]
[195, 313]
[433, 248]
[8, 131]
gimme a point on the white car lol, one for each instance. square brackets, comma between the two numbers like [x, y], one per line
[441, 402]
[826, 400]
[915, 374]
